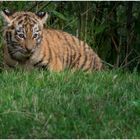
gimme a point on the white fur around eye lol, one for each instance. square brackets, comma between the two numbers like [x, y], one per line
[35, 28]
[20, 32]
[19, 28]
[35, 31]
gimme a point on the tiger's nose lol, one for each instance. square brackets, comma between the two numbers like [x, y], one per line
[29, 50]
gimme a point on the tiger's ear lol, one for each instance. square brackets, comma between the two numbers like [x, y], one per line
[7, 15]
[42, 16]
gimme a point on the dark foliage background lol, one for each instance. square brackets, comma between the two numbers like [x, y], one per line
[112, 29]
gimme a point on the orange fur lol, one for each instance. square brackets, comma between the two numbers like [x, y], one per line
[56, 51]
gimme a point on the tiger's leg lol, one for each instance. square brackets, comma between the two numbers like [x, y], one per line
[56, 65]
[8, 61]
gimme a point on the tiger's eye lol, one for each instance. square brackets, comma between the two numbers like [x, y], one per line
[35, 35]
[21, 35]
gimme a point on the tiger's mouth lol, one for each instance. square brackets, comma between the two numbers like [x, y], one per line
[20, 54]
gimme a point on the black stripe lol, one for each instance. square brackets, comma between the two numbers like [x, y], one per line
[44, 67]
[77, 59]
[6, 35]
[71, 47]
[19, 17]
[50, 52]
[89, 66]
[40, 61]
[68, 55]
[38, 42]
[58, 35]
[13, 43]
[9, 41]
[10, 36]
[51, 34]
[84, 62]
[21, 21]
[76, 53]
[66, 59]
[38, 64]
[94, 62]
[83, 55]
[60, 46]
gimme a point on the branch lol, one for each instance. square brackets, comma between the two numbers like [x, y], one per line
[130, 62]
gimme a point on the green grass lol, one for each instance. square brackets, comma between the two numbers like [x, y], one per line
[40, 104]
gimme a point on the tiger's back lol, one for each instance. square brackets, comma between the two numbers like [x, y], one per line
[52, 49]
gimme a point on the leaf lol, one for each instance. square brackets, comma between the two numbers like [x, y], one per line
[137, 27]
[100, 29]
[59, 15]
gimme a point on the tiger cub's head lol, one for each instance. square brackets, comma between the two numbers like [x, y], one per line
[23, 32]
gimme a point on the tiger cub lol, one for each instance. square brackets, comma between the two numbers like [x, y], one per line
[28, 44]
